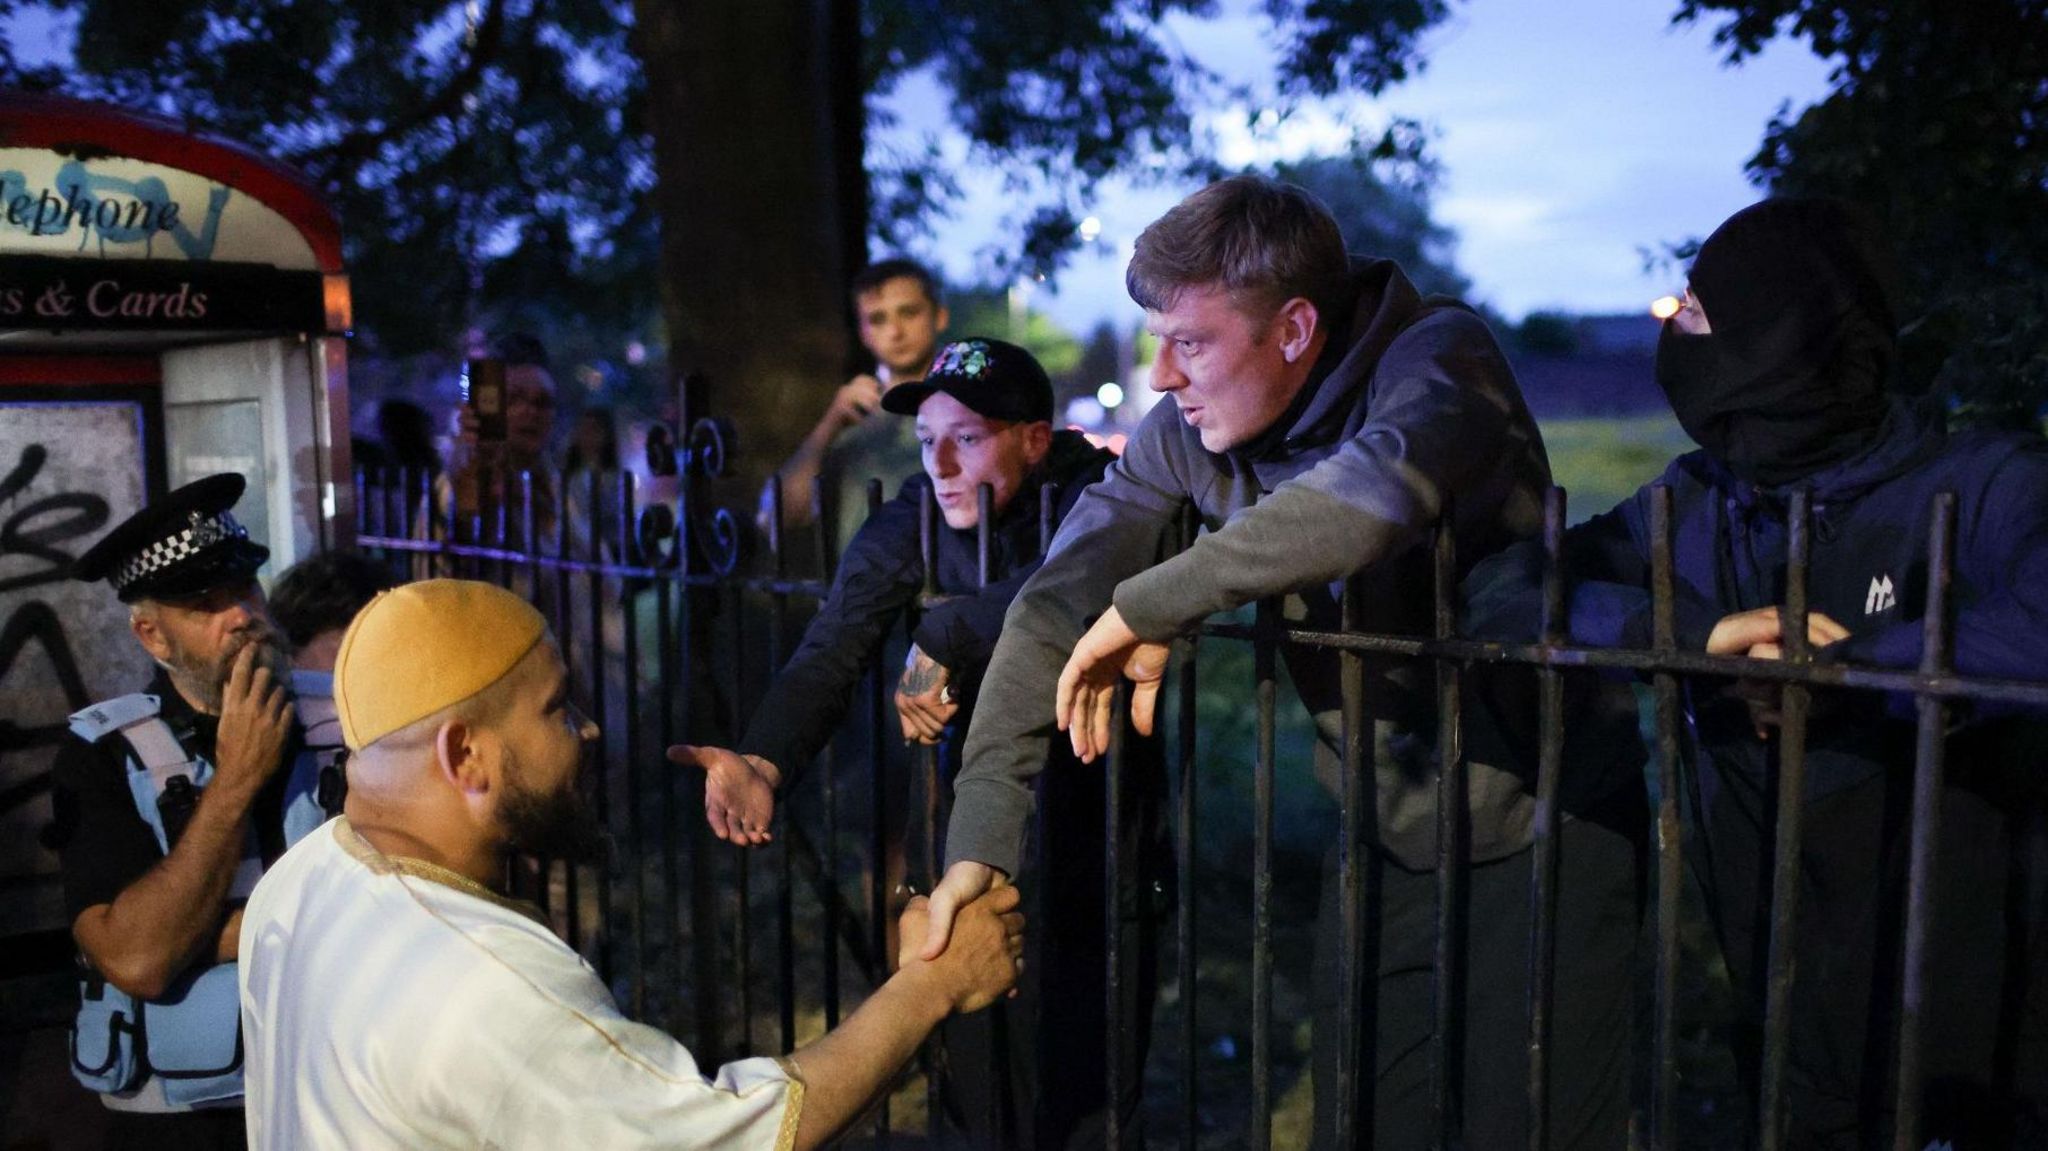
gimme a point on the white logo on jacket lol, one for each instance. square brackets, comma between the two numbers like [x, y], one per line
[1880, 597]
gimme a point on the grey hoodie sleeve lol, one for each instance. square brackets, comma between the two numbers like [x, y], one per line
[1443, 417]
[1117, 527]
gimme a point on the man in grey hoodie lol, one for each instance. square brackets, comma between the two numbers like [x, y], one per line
[1324, 416]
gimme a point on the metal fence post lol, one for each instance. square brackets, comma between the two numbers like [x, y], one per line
[1266, 674]
[1930, 745]
[1447, 1051]
[1544, 846]
[1186, 970]
[1669, 839]
[1791, 805]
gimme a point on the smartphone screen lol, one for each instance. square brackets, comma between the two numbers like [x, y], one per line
[486, 395]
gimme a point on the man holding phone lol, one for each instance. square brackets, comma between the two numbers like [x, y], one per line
[900, 315]
[503, 429]
[508, 422]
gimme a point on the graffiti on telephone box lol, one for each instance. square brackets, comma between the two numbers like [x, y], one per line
[68, 472]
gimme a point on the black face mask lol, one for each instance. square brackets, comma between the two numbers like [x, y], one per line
[1772, 419]
[1792, 377]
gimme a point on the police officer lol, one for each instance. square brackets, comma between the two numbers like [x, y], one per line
[169, 804]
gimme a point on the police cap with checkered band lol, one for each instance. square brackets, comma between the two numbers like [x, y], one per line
[179, 546]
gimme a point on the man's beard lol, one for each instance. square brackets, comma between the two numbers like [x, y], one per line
[555, 824]
[208, 679]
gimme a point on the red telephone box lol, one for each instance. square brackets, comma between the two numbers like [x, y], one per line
[171, 305]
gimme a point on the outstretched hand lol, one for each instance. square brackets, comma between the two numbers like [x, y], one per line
[739, 792]
[1087, 690]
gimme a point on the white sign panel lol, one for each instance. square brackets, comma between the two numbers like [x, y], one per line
[112, 207]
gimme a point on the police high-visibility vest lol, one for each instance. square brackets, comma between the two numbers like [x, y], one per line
[190, 1038]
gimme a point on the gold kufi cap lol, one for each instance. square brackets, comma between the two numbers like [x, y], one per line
[423, 646]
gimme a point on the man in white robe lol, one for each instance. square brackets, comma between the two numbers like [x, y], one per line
[392, 997]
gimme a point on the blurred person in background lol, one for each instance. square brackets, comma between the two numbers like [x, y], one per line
[900, 314]
[408, 436]
[313, 603]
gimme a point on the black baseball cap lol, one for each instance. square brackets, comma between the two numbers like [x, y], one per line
[996, 379]
[181, 545]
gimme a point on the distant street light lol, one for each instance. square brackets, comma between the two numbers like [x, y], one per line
[1089, 229]
[1110, 395]
[1665, 307]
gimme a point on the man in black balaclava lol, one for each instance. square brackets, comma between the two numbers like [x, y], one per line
[1788, 376]
[1778, 365]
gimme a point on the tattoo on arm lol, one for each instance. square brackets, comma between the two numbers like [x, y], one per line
[921, 674]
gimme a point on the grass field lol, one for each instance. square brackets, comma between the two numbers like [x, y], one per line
[1600, 462]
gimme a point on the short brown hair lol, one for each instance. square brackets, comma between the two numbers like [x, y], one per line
[324, 592]
[880, 272]
[1264, 241]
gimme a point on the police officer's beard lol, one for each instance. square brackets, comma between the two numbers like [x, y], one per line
[270, 653]
[555, 824]
[208, 679]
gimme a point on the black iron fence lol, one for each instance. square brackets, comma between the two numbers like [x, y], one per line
[670, 634]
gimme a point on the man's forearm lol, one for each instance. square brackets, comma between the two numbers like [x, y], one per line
[172, 914]
[799, 474]
[1115, 529]
[846, 1070]
[877, 580]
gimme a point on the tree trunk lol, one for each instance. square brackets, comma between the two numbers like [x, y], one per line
[749, 110]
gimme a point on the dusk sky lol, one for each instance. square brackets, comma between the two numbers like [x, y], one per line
[1571, 134]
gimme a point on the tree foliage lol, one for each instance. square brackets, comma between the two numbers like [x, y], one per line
[1937, 120]
[994, 310]
[1331, 46]
[495, 161]
[1061, 94]
[484, 158]
[1382, 216]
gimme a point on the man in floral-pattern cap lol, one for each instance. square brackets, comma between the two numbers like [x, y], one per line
[983, 420]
